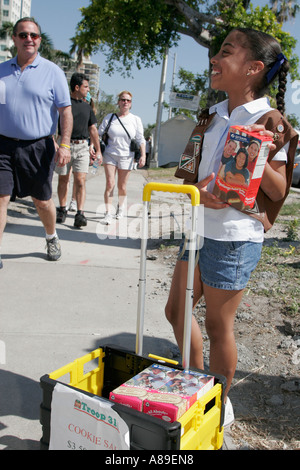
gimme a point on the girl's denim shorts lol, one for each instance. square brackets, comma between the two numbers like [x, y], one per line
[224, 264]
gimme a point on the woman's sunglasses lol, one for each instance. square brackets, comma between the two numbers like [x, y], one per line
[33, 36]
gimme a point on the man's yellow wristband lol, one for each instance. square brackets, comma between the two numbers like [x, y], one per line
[65, 146]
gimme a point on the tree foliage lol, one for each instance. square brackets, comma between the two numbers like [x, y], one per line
[107, 104]
[127, 31]
[137, 32]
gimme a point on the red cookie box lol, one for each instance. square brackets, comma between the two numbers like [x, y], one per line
[163, 392]
[238, 180]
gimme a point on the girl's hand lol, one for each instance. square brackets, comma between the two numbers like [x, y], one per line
[273, 182]
[209, 200]
[260, 128]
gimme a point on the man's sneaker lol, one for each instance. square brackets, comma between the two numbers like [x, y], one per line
[73, 206]
[61, 214]
[107, 219]
[53, 249]
[1, 264]
[119, 213]
[228, 414]
[80, 220]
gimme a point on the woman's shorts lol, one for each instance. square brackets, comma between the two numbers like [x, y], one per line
[122, 163]
[226, 265]
[26, 167]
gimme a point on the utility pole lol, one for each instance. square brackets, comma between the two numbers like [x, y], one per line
[154, 160]
[173, 79]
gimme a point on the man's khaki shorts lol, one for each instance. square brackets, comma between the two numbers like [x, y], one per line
[80, 160]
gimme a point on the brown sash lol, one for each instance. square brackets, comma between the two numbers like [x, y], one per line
[190, 159]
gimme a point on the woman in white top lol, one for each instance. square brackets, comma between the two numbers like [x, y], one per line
[118, 158]
[231, 245]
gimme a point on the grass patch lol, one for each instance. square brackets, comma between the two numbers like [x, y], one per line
[161, 173]
[278, 276]
[291, 209]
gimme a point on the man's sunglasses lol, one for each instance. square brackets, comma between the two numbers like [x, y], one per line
[33, 36]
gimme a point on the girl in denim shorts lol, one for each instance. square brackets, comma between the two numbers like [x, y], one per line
[246, 64]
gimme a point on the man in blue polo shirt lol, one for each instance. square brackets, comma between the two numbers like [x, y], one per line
[33, 94]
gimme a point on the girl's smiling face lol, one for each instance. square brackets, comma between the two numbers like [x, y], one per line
[231, 64]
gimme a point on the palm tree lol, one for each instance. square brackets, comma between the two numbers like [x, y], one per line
[284, 10]
[79, 53]
[6, 30]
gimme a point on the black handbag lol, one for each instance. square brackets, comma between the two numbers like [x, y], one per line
[134, 146]
[104, 137]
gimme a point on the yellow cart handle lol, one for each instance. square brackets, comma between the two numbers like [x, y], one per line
[172, 188]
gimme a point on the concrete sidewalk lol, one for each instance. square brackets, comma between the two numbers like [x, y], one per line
[55, 312]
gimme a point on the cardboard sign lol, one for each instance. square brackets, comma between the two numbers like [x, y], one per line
[184, 101]
[81, 422]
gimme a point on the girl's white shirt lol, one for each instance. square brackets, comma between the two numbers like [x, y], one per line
[229, 224]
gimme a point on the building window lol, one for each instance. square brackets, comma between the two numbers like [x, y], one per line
[5, 2]
[5, 13]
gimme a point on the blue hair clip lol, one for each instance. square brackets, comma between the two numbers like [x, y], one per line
[280, 59]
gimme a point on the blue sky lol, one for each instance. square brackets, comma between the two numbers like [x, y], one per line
[60, 19]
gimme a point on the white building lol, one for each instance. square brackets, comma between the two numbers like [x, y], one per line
[174, 135]
[90, 69]
[11, 11]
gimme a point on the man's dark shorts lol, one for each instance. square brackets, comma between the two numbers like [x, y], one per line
[26, 167]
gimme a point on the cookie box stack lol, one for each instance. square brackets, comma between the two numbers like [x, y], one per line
[163, 392]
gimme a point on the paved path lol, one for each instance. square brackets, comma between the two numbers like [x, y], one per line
[54, 312]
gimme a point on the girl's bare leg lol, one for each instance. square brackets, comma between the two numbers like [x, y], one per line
[221, 306]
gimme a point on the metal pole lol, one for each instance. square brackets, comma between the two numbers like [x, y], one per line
[154, 160]
[172, 86]
[189, 293]
[142, 282]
